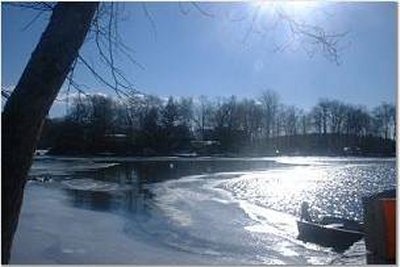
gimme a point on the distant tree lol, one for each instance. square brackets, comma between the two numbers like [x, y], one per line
[101, 121]
[175, 124]
[203, 115]
[278, 125]
[185, 111]
[225, 112]
[148, 106]
[269, 103]
[150, 120]
[337, 113]
[290, 118]
[138, 107]
[363, 119]
[316, 119]
[357, 120]
[385, 120]
[121, 118]
[324, 109]
[149, 135]
[303, 122]
[250, 116]
[226, 123]
[170, 114]
[79, 111]
[321, 116]
[71, 135]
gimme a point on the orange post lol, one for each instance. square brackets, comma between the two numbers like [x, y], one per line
[389, 207]
[380, 227]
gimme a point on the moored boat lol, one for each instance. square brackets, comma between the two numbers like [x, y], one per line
[331, 232]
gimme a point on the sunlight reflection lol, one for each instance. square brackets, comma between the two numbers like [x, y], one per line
[280, 190]
[290, 182]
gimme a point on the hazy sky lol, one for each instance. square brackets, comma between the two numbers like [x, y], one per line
[193, 54]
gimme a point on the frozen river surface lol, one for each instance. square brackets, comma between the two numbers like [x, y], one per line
[190, 211]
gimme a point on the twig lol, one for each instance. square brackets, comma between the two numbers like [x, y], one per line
[150, 19]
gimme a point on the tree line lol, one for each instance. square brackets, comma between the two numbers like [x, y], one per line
[149, 125]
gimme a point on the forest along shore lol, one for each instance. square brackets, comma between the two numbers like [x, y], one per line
[151, 126]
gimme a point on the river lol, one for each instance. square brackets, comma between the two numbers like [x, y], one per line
[171, 210]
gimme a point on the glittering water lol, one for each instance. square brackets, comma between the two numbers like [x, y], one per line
[331, 187]
[216, 210]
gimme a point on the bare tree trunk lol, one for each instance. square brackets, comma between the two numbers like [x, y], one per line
[30, 102]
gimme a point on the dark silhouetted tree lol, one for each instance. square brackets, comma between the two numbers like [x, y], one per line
[29, 103]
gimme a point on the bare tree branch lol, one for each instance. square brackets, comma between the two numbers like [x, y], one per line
[40, 6]
[312, 38]
[150, 19]
[196, 6]
[33, 20]
[98, 76]
[315, 36]
[252, 24]
[105, 35]
[182, 9]
[202, 11]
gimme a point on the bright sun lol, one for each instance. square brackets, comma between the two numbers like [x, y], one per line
[298, 8]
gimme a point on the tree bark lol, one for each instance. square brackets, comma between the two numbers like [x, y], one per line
[28, 105]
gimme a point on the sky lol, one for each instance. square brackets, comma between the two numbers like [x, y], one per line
[232, 52]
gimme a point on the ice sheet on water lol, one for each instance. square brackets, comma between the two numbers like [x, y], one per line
[52, 232]
[198, 215]
[53, 166]
[93, 185]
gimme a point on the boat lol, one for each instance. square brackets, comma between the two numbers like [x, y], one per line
[334, 232]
